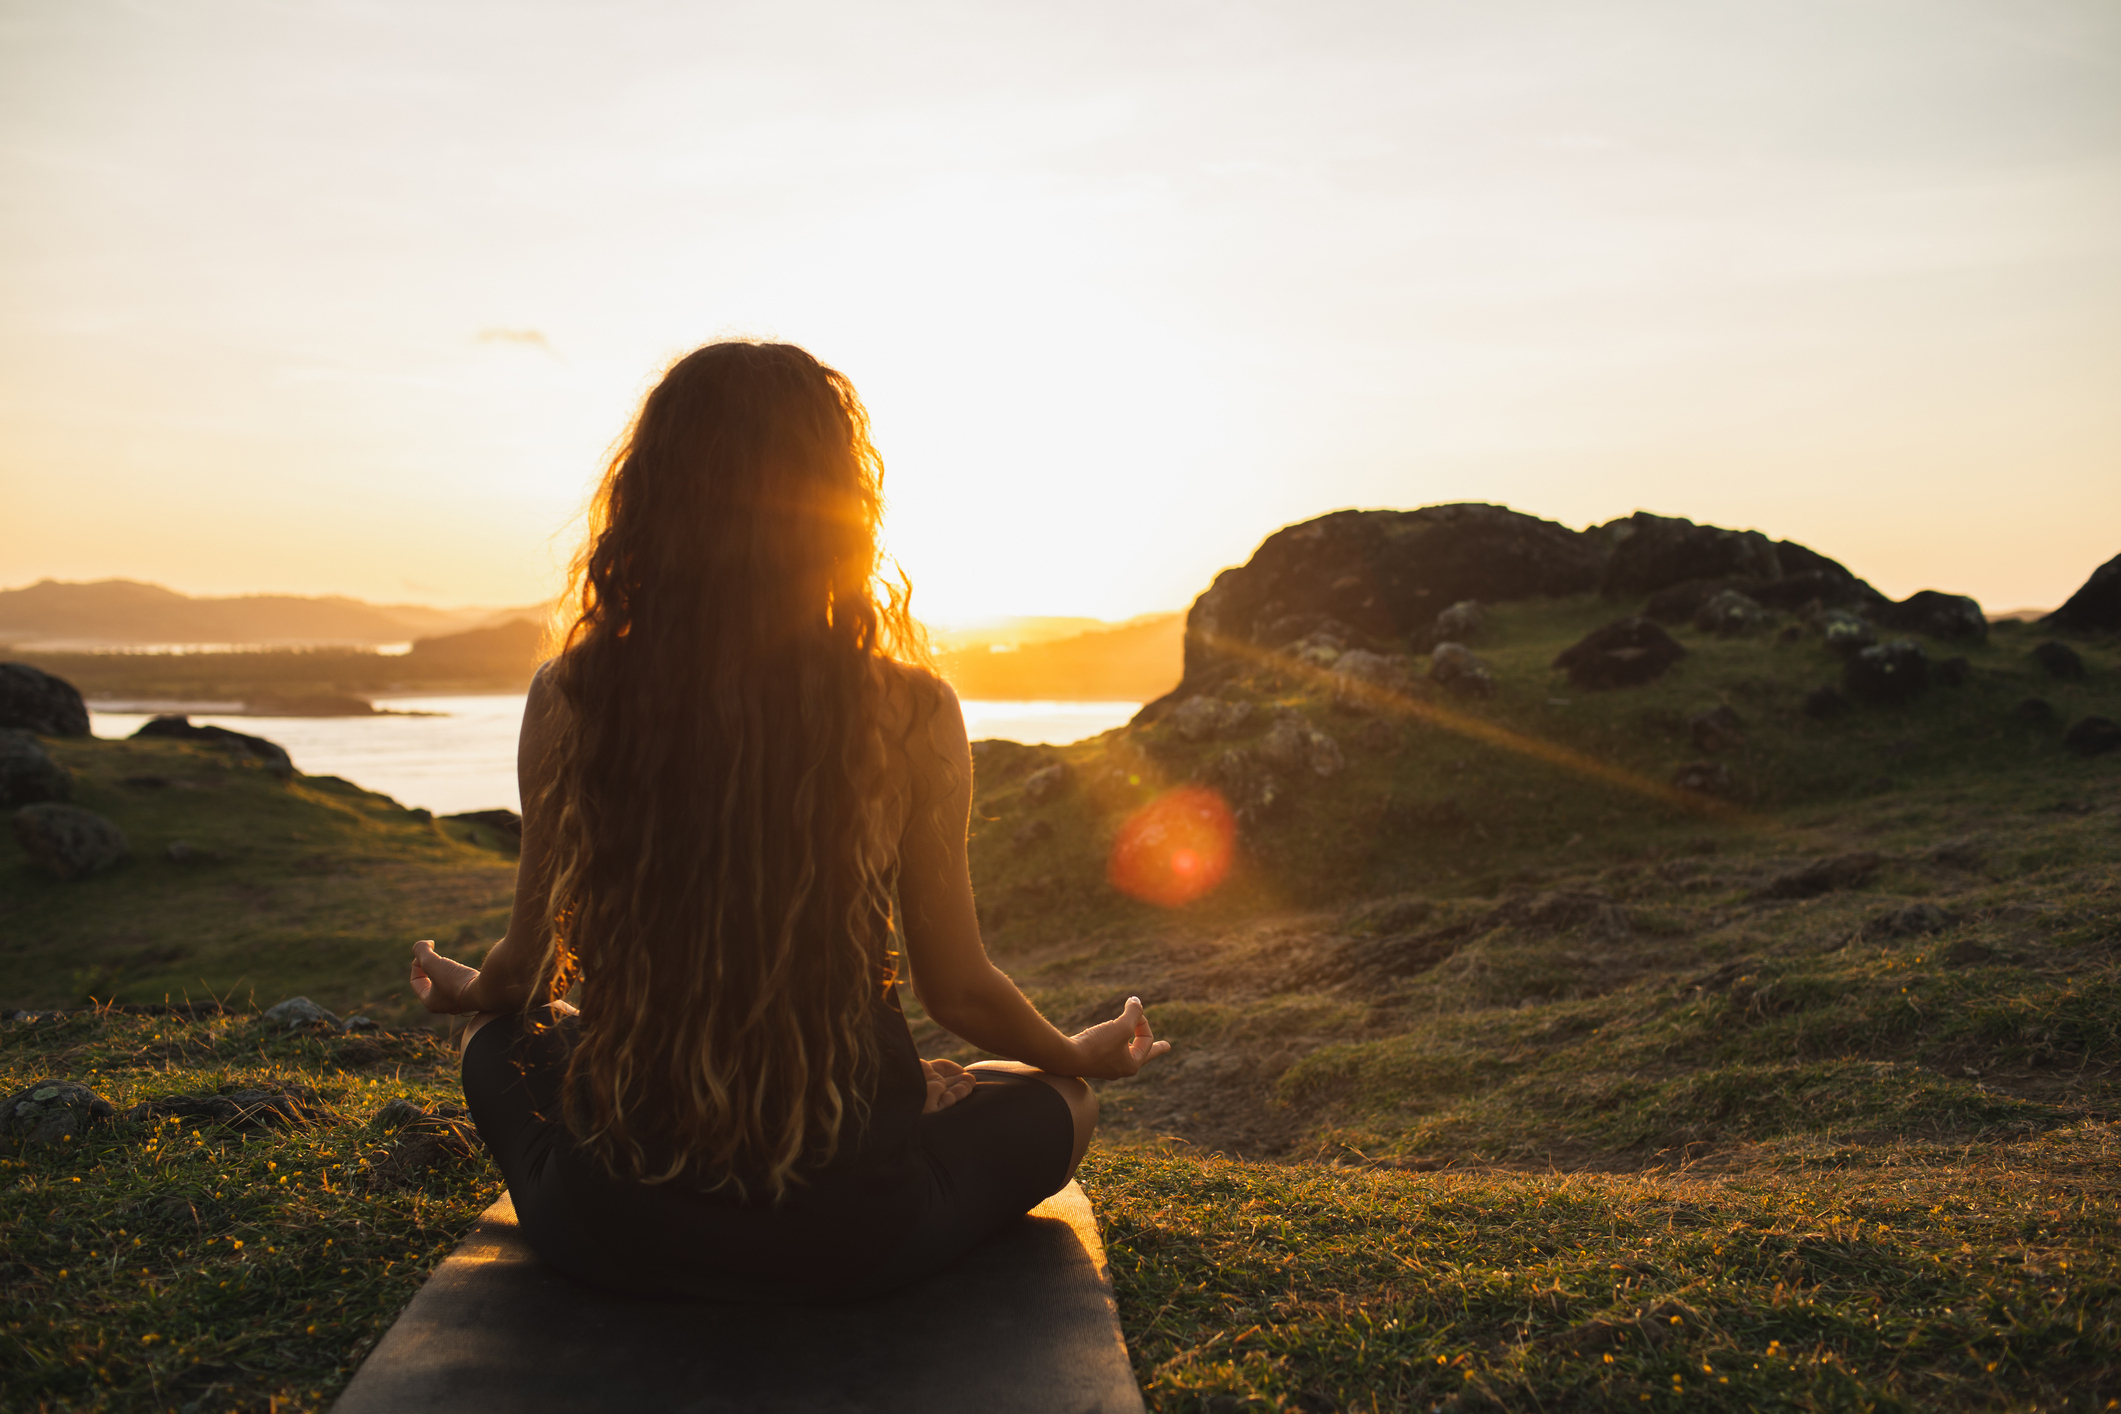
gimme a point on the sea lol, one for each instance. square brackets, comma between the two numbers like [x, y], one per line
[451, 754]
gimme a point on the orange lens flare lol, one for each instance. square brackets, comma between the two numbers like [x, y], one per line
[1174, 849]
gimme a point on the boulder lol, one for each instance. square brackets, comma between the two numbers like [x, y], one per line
[1205, 718]
[1729, 614]
[1385, 574]
[1460, 669]
[1247, 786]
[298, 1012]
[1625, 653]
[1845, 633]
[1887, 673]
[2095, 608]
[2059, 660]
[1295, 746]
[66, 841]
[1653, 552]
[29, 773]
[52, 1112]
[1953, 616]
[2093, 736]
[1460, 623]
[239, 746]
[32, 700]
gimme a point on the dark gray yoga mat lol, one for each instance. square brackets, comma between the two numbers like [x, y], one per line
[1025, 1322]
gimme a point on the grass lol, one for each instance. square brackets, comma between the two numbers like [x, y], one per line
[190, 1266]
[1504, 1076]
[320, 887]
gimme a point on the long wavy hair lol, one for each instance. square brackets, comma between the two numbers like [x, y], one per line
[720, 878]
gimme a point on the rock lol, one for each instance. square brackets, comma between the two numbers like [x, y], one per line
[1319, 629]
[297, 1012]
[2093, 736]
[1250, 790]
[1459, 623]
[1718, 729]
[1031, 832]
[1375, 669]
[1460, 669]
[66, 841]
[1295, 746]
[360, 1023]
[1624, 653]
[1825, 703]
[239, 747]
[2059, 660]
[1886, 674]
[32, 700]
[1678, 603]
[52, 1112]
[1386, 574]
[1703, 778]
[1730, 614]
[28, 772]
[1653, 552]
[1206, 718]
[503, 822]
[1046, 784]
[2034, 712]
[1952, 672]
[1840, 871]
[1938, 615]
[1913, 921]
[2095, 608]
[1845, 632]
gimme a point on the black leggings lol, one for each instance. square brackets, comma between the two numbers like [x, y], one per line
[971, 1170]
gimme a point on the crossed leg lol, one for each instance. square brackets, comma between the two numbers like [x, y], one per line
[1080, 1098]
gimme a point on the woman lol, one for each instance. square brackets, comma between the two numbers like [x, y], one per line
[727, 779]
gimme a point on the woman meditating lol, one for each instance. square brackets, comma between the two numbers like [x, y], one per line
[727, 780]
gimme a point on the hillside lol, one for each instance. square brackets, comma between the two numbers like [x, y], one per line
[1745, 1036]
[120, 613]
[1130, 663]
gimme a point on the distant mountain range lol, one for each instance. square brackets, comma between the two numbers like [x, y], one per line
[124, 613]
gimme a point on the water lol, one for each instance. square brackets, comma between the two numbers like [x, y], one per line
[464, 756]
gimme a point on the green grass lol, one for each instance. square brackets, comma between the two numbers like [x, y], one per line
[182, 1265]
[1492, 1058]
[321, 887]
[1897, 1276]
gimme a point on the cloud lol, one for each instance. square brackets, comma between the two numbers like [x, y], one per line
[528, 338]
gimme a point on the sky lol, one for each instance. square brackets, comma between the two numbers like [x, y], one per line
[315, 296]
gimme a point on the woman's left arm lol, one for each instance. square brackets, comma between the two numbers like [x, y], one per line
[510, 974]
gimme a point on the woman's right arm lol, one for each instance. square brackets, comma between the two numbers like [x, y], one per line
[509, 976]
[952, 975]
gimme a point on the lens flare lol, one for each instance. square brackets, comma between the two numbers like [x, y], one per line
[1174, 849]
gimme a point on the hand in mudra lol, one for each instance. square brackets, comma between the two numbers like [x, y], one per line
[1115, 1049]
[440, 982]
[948, 1082]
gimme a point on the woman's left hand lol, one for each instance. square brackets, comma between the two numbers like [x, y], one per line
[948, 1082]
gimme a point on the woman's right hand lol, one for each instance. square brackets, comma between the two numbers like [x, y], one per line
[1116, 1049]
[441, 982]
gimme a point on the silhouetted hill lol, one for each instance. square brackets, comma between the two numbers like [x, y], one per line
[119, 613]
[1130, 663]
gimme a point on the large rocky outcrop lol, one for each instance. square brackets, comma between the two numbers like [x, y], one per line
[2095, 608]
[271, 755]
[1384, 574]
[32, 700]
[1650, 553]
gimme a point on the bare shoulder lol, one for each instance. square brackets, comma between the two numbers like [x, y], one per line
[916, 703]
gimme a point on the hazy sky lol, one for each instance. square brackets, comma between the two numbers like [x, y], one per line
[353, 297]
